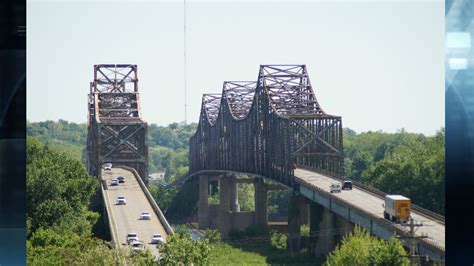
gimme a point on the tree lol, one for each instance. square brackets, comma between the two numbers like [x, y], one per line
[182, 250]
[58, 188]
[360, 248]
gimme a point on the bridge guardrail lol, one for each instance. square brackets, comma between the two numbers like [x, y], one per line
[153, 204]
[113, 226]
[424, 212]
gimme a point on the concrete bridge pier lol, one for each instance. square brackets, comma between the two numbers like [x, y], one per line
[224, 213]
[261, 203]
[203, 204]
[234, 198]
[326, 229]
[294, 224]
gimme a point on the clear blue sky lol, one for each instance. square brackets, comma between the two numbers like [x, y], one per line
[378, 65]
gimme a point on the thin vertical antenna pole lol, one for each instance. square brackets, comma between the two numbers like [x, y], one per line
[185, 76]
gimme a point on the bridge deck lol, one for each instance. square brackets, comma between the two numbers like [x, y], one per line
[126, 217]
[372, 204]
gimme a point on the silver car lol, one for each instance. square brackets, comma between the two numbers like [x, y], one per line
[136, 245]
[132, 237]
[121, 200]
[157, 238]
[145, 216]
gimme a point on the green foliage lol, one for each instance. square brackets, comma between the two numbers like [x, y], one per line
[213, 235]
[173, 162]
[304, 230]
[253, 252]
[182, 230]
[181, 250]
[175, 136]
[278, 240]
[401, 163]
[184, 201]
[278, 202]
[59, 224]
[49, 247]
[246, 196]
[59, 190]
[360, 248]
[214, 199]
[250, 231]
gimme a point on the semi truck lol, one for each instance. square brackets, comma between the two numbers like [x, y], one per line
[397, 208]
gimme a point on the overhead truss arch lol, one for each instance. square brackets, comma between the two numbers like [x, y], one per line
[267, 127]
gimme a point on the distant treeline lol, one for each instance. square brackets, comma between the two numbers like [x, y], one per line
[400, 163]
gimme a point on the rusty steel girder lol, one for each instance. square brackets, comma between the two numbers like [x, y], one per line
[267, 127]
[117, 133]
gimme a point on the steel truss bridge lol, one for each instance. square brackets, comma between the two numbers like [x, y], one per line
[117, 134]
[275, 128]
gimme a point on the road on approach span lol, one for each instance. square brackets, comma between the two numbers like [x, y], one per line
[127, 217]
[373, 204]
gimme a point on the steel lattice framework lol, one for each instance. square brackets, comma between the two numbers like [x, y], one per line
[116, 131]
[267, 128]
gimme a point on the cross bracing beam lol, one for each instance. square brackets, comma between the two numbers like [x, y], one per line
[116, 131]
[267, 127]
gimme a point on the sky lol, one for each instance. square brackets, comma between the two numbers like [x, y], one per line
[379, 65]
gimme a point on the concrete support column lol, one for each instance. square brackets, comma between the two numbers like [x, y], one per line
[326, 239]
[293, 243]
[261, 208]
[234, 198]
[203, 205]
[224, 216]
[304, 210]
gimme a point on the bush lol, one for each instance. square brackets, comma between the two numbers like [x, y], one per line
[304, 230]
[360, 248]
[182, 230]
[180, 250]
[214, 236]
[278, 240]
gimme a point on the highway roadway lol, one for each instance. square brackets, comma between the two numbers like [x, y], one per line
[126, 217]
[373, 204]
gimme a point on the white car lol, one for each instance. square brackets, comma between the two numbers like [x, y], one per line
[121, 200]
[136, 245]
[335, 187]
[107, 166]
[132, 237]
[145, 216]
[114, 182]
[157, 238]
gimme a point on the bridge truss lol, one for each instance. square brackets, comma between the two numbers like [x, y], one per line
[268, 127]
[116, 131]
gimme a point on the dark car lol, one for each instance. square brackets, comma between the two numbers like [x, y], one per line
[121, 179]
[347, 185]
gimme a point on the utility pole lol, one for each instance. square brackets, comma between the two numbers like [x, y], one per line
[412, 238]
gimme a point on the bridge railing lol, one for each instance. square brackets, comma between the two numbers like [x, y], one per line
[150, 198]
[111, 221]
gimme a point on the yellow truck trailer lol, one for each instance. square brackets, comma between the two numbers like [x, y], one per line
[397, 208]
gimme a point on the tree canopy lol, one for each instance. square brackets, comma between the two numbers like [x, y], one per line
[360, 248]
